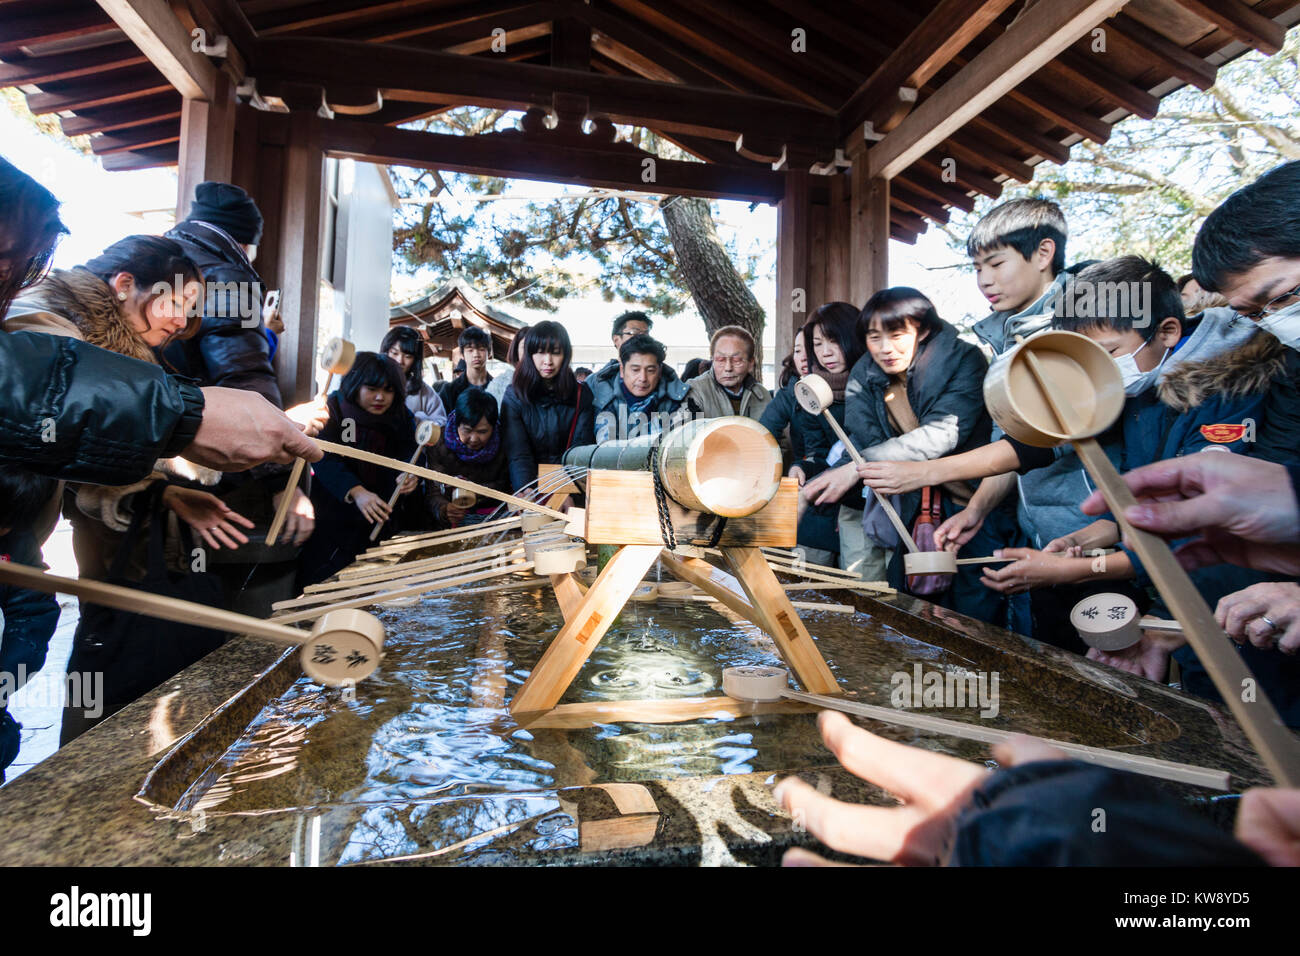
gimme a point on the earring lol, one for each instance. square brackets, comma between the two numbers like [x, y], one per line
[122, 296]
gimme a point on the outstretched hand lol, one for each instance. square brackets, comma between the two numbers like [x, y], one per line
[933, 789]
[1243, 509]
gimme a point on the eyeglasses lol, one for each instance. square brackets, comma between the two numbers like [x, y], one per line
[1276, 304]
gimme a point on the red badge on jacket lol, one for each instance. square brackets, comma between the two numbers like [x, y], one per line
[1223, 434]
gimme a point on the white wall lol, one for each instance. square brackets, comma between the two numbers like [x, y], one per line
[363, 245]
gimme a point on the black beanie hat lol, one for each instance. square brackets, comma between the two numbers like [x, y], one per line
[228, 207]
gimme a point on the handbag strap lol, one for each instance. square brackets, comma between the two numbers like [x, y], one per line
[901, 415]
[573, 426]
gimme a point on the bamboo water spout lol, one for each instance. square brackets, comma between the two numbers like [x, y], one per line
[729, 466]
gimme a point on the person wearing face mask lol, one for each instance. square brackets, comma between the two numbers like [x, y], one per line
[544, 411]
[350, 496]
[1188, 390]
[1248, 251]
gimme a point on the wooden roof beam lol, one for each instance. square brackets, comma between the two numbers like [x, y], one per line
[1041, 33]
[1044, 101]
[949, 195]
[1240, 22]
[665, 51]
[972, 149]
[1180, 63]
[138, 137]
[302, 18]
[154, 109]
[463, 29]
[143, 159]
[915, 202]
[97, 94]
[961, 175]
[61, 22]
[691, 30]
[39, 70]
[1082, 69]
[936, 40]
[520, 158]
[570, 44]
[154, 28]
[415, 75]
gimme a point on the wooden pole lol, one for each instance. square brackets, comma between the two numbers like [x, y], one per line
[1134, 763]
[392, 499]
[482, 491]
[154, 605]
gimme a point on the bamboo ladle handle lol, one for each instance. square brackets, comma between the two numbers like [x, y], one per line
[1277, 746]
[358, 632]
[427, 433]
[811, 392]
[482, 491]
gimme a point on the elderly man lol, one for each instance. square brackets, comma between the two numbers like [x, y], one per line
[637, 394]
[729, 386]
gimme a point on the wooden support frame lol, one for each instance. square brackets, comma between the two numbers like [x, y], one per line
[207, 142]
[587, 621]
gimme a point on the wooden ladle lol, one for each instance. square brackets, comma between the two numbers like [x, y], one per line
[1056, 387]
[343, 647]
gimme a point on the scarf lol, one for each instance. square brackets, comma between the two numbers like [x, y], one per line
[837, 381]
[459, 449]
[634, 404]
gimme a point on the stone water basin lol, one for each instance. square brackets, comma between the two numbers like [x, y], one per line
[423, 763]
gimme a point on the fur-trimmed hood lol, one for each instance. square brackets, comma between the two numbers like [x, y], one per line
[77, 302]
[1245, 370]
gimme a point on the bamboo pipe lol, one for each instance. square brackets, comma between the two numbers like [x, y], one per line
[428, 432]
[337, 638]
[1277, 746]
[815, 397]
[730, 466]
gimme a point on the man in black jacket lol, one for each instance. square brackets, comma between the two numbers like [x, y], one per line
[232, 349]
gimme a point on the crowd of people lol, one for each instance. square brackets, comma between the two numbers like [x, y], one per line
[139, 400]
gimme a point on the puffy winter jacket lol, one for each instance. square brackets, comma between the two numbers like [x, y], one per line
[945, 387]
[231, 348]
[71, 410]
[615, 419]
[537, 430]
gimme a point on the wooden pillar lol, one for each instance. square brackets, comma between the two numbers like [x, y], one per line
[838, 286]
[298, 253]
[793, 279]
[869, 231]
[207, 141]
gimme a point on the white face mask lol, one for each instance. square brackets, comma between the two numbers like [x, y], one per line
[1285, 324]
[1137, 381]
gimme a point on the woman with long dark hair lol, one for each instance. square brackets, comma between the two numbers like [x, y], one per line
[545, 411]
[350, 496]
[404, 346]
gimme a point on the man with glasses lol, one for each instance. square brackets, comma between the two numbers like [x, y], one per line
[626, 326]
[1249, 250]
[729, 386]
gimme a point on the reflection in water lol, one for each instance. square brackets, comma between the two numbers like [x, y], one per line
[423, 758]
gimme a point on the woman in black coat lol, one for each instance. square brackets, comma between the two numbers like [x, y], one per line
[545, 410]
[367, 412]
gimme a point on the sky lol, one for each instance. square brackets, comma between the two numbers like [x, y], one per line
[100, 207]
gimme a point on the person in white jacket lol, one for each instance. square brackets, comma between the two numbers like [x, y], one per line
[405, 347]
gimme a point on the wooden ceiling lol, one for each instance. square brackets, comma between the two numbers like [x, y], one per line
[724, 79]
